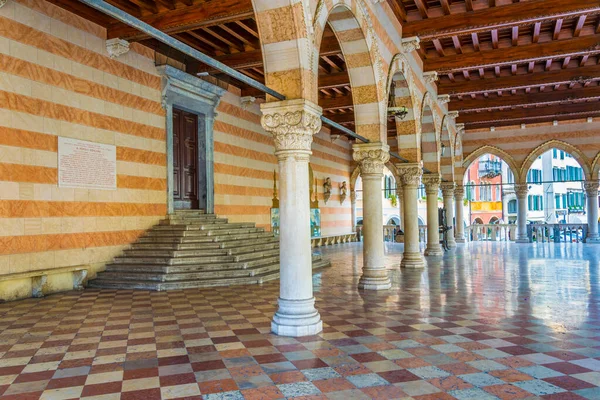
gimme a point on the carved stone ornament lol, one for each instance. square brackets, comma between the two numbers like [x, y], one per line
[2, 3]
[452, 115]
[327, 189]
[411, 44]
[459, 193]
[430, 77]
[431, 182]
[410, 174]
[591, 188]
[116, 47]
[448, 189]
[371, 157]
[443, 98]
[343, 192]
[521, 189]
[460, 128]
[292, 123]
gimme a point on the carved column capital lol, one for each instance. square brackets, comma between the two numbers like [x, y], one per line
[430, 77]
[371, 157]
[410, 174]
[411, 44]
[443, 98]
[116, 47]
[448, 189]
[432, 183]
[452, 115]
[459, 192]
[521, 189]
[293, 123]
[591, 188]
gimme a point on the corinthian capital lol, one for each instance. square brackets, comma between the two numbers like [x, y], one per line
[431, 182]
[371, 157]
[410, 174]
[116, 47]
[591, 188]
[448, 189]
[459, 192]
[521, 189]
[292, 123]
[430, 77]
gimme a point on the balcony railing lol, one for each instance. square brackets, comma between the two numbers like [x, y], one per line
[491, 233]
[490, 169]
[557, 233]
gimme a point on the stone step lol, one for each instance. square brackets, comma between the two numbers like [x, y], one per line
[166, 269]
[154, 251]
[190, 212]
[183, 276]
[202, 227]
[198, 233]
[195, 260]
[203, 245]
[192, 221]
[204, 239]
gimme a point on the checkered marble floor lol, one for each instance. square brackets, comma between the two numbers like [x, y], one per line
[489, 321]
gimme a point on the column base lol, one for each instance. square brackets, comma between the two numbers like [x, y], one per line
[435, 251]
[374, 283]
[593, 239]
[412, 260]
[522, 240]
[460, 239]
[296, 318]
[451, 244]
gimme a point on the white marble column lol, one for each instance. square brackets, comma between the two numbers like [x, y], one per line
[591, 191]
[400, 197]
[371, 159]
[410, 175]
[353, 208]
[432, 189]
[521, 189]
[448, 195]
[459, 202]
[293, 124]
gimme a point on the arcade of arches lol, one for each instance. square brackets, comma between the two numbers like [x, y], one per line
[128, 163]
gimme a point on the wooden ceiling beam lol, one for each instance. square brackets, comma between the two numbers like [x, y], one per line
[530, 120]
[336, 103]
[521, 81]
[562, 96]
[499, 17]
[579, 46]
[186, 18]
[422, 6]
[550, 111]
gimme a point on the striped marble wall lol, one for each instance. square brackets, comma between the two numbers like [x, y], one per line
[56, 79]
[244, 166]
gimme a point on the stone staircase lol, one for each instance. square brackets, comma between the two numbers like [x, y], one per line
[190, 249]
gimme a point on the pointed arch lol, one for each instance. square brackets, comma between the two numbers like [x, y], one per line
[430, 139]
[288, 53]
[352, 26]
[408, 131]
[446, 150]
[596, 167]
[493, 150]
[354, 177]
[560, 145]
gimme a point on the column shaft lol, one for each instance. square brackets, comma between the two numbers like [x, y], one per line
[371, 158]
[591, 191]
[459, 198]
[448, 195]
[410, 175]
[432, 188]
[400, 197]
[353, 208]
[521, 190]
[292, 124]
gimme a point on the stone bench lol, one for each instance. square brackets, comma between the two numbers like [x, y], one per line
[39, 278]
[333, 239]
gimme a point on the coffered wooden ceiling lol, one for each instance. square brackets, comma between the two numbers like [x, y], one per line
[503, 62]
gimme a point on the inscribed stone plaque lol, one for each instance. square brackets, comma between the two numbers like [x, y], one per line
[86, 165]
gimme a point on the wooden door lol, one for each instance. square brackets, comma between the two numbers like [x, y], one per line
[185, 160]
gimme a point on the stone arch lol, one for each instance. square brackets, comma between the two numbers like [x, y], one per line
[294, 77]
[408, 129]
[430, 140]
[555, 144]
[353, 177]
[495, 151]
[447, 148]
[352, 26]
[596, 167]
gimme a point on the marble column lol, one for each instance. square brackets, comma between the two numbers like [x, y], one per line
[432, 189]
[400, 197]
[410, 176]
[591, 191]
[521, 189]
[459, 202]
[448, 195]
[371, 159]
[353, 208]
[293, 124]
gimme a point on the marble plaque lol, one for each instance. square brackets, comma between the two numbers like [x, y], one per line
[86, 165]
